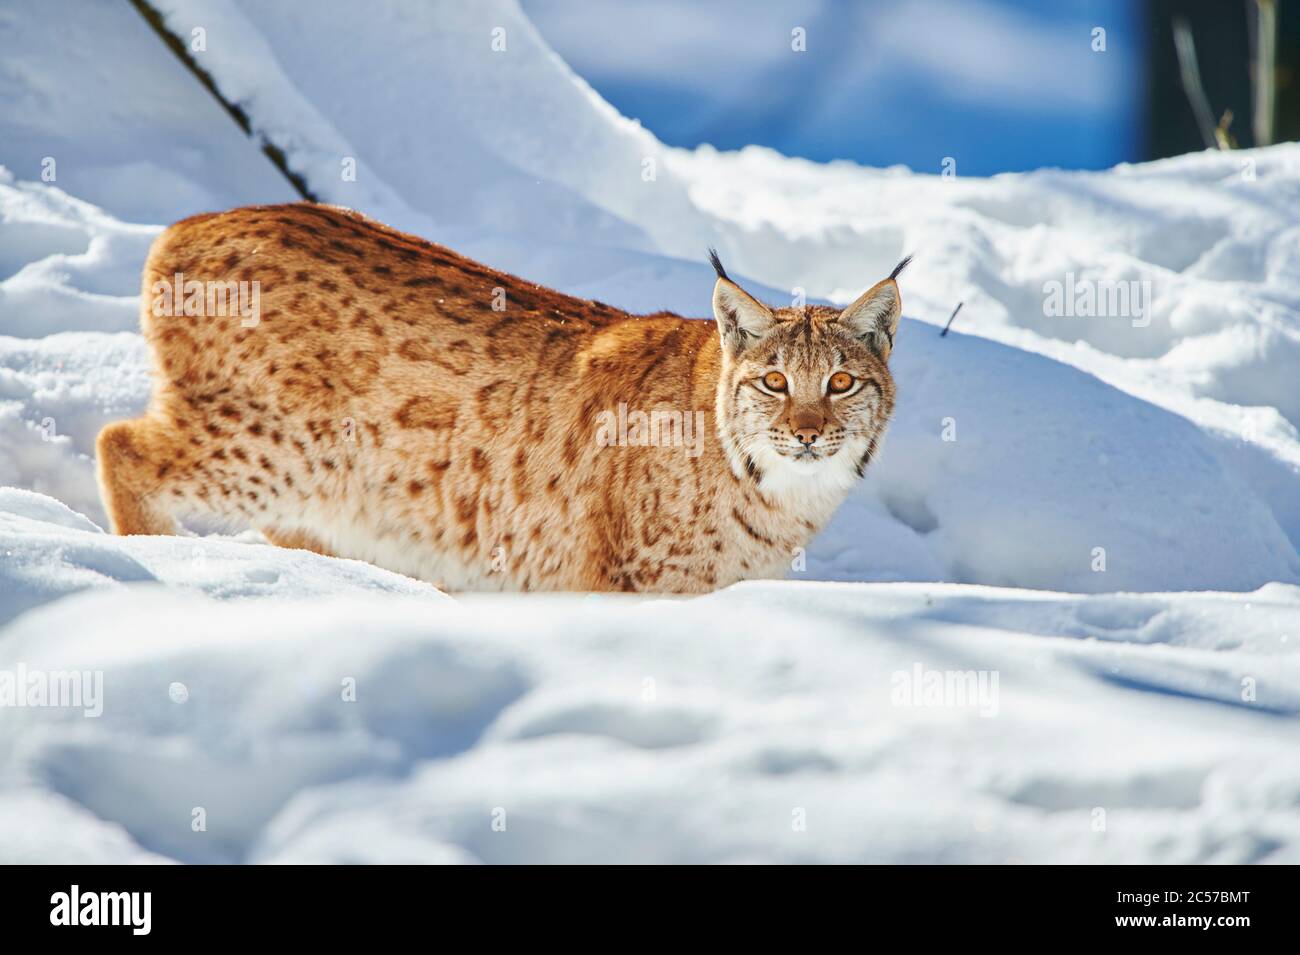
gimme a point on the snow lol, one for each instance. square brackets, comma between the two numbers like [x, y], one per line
[1100, 514]
[606, 730]
[51, 550]
[868, 83]
[127, 126]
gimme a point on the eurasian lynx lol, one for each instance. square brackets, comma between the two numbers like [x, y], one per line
[388, 400]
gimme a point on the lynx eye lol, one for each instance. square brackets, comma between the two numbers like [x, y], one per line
[840, 382]
[774, 381]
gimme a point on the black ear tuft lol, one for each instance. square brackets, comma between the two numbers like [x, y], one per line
[717, 264]
[899, 267]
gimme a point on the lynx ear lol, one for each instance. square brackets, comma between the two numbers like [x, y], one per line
[874, 316]
[742, 319]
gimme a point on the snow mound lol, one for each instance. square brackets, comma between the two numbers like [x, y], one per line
[90, 87]
[767, 723]
[1212, 235]
[65, 264]
[48, 550]
[55, 394]
[1013, 469]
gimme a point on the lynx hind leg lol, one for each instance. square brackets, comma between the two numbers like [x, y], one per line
[296, 540]
[135, 459]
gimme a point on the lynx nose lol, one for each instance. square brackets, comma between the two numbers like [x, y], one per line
[806, 426]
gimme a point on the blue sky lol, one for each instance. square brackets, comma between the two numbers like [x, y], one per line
[998, 85]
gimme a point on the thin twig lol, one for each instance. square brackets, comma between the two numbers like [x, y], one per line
[1185, 46]
[1264, 76]
[1222, 132]
[944, 333]
[177, 46]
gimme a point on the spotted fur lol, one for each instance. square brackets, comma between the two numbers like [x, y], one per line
[382, 409]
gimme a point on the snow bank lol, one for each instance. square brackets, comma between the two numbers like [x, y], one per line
[770, 722]
[1210, 240]
[50, 550]
[459, 109]
[89, 86]
[66, 264]
[1013, 469]
[55, 395]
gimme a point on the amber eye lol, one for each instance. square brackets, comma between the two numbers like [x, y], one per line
[840, 382]
[774, 380]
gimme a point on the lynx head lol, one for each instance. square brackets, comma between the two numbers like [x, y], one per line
[805, 391]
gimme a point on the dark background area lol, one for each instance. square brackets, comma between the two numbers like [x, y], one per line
[1221, 29]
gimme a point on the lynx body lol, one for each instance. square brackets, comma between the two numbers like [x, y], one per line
[392, 401]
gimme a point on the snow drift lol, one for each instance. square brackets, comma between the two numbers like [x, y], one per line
[771, 722]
